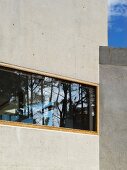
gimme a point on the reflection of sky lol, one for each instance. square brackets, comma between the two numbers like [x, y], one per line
[38, 115]
[54, 114]
[46, 112]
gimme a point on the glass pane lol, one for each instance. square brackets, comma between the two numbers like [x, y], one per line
[42, 100]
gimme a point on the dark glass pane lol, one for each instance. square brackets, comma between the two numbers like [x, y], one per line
[37, 99]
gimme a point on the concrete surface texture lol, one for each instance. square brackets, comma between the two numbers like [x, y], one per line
[31, 149]
[59, 36]
[113, 56]
[113, 112]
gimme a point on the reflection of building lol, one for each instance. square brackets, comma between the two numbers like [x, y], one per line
[58, 39]
[38, 99]
[42, 100]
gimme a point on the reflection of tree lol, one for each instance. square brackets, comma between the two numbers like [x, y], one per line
[27, 95]
[67, 104]
[11, 85]
[7, 85]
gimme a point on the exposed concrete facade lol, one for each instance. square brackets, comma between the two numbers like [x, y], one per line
[113, 56]
[54, 36]
[113, 109]
[30, 149]
[61, 37]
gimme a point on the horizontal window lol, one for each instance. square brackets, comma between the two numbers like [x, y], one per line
[38, 99]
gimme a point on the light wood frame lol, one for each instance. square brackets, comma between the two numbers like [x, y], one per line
[29, 70]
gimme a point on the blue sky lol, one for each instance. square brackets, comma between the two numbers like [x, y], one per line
[117, 23]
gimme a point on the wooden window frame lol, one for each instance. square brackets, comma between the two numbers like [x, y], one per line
[26, 125]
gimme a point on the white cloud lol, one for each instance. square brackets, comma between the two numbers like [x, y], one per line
[117, 8]
[114, 2]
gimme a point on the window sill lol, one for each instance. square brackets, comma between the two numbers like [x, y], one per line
[26, 125]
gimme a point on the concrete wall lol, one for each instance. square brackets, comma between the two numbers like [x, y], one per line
[30, 149]
[113, 56]
[60, 37]
[57, 36]
[113, 109]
